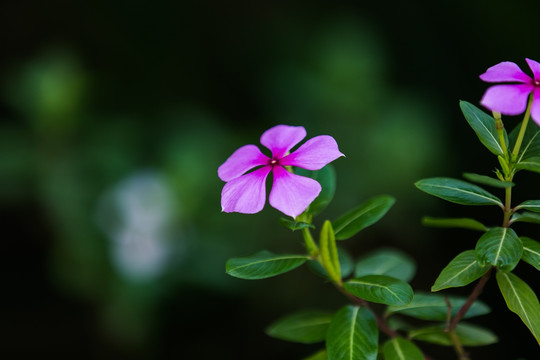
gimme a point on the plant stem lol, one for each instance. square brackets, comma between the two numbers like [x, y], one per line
[521, 134]
[507, 206]
[499, 126]
[470, 300]
[462, 355]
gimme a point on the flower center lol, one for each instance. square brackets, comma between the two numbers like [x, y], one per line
[536, 82]
[274, 161]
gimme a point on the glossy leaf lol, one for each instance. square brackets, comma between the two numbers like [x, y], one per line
[531, 205]
[522, 300]
[499, 247]
[468, 335]
[530, 146]
[457, 191]
[461, 271]
[353, 335]
[389, 262]
[488, 180]
[463, 223]
[305, 327]
[362, 216]
[484, 127]
[525, 216]
[531, 252]
[434, 307]
[263, 265]
[319, 355]
[531, 164]
[380, 289]
[401, 349]
[326, 177]
[346, 264]
[294, 225]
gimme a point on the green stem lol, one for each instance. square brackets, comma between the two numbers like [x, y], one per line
[507, 206]
[462, 355]
[499, 126]
[519, 140]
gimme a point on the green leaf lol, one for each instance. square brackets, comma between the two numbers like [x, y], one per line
[319, 355]
[463, 223]
[525, 216]
[522, 300]
[389, 262]
[346, 264]
[461, 271]
[484, 127]
[531, 252]
[401, 349]
[457, 191]
[263, 264]
[362, 216]
[531, 164]
[305, 327]
[380, 289]
[530, 147]
[352, 335]
[468, 335]
[531, 205]
[434, 307]
[326, 177]
[329, 252]
[488, 180]
[499, 247]
[294, 225]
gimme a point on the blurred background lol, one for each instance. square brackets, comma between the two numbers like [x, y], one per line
[115, 115]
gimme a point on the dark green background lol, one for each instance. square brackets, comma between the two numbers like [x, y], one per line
[95, 95]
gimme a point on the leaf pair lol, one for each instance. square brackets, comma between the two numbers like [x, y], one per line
[434, 307]
[350, 334]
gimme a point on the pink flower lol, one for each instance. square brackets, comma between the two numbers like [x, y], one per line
[511, 99]
[291, 194]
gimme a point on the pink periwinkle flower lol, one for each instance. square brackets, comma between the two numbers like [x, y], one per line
[511, 99]
[291, 194]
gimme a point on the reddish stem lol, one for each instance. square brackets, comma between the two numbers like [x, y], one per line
[470, 300]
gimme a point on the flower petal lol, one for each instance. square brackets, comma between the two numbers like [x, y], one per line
[246, 194]
[507, 99]
[535, 67]
[505, 72]
[291, 194]
[282, 138]
[535, 108]
[314, 154]
[242, 160]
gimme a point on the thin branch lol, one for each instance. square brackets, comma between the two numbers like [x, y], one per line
[470, 300]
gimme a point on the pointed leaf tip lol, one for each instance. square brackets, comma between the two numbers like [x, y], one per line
[263, 264]
[362, 216]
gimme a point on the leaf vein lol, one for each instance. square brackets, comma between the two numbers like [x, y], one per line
[468, 192]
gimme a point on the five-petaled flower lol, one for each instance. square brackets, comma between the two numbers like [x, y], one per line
[511, 99]
[291, 194]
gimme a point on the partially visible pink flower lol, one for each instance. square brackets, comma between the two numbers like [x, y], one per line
[511, 99]
[291, 194]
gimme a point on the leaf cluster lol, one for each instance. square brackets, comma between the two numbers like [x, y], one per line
[498, 247]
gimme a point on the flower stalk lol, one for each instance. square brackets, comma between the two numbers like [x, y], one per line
[524, 124]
